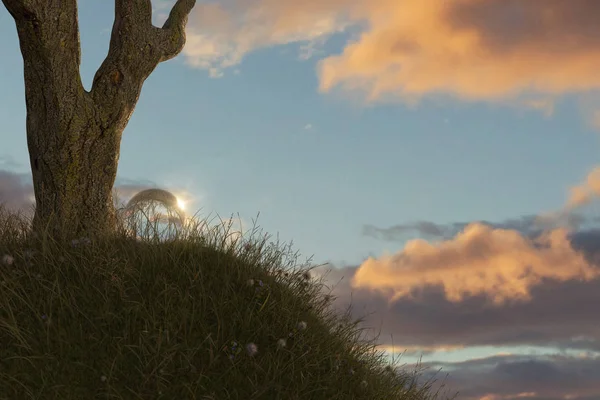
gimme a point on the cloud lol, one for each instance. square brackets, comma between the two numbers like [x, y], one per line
[558, 313]
[7, 161]
[472, 49]
[520, 377]
[557, 306]
[546, 106]
[540, 237]
[529, 225]
[421, 228]
[585, 192]
[220, 35]
[579, 196]
[498, 263]
[16, 191]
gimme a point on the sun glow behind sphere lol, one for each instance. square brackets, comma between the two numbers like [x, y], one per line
[155, 213]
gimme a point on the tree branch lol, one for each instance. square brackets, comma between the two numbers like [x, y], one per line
[49, 39]
[21, 9]
[172, 35]
[179, 14]
[137, 12]
[47, 26]
[136, 48]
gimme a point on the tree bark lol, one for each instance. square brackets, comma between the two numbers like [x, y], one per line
[73, 135]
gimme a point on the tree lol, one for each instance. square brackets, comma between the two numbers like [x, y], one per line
[73, 135]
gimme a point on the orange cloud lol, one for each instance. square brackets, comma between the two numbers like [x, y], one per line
[220, 35]
[585, 192]
[522, 395]
[498, 263]
[473, 49]
[579, 195]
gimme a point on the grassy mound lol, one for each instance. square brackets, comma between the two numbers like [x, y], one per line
[203, 316]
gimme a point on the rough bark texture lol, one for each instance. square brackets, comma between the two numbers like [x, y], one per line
[74, 135]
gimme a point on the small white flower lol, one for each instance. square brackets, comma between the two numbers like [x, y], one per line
[250, 282]
[7, 260]
[103, 378]
[251, 349]
[364, 384]
[281, 343]
[301, 325]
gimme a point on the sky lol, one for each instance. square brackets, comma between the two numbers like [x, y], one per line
[440, 158]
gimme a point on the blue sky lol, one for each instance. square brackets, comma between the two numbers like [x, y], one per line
[320, 165]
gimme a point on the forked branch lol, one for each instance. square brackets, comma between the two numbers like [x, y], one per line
[136, 48]
[22, 9]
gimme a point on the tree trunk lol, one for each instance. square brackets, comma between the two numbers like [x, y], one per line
[73, 135]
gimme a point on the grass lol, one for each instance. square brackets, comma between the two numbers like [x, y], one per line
[207, 315]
